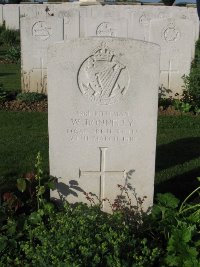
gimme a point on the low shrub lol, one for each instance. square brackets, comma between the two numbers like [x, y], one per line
[3, 93]
[30, 97]
[78, 235]
[9, 37]
[192, 81]
[168, 2]
[13, 54]
[6, 95]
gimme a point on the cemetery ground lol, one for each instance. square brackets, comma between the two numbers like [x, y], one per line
[9, 73]
[86, 236]
[32, 229]
[34, 232]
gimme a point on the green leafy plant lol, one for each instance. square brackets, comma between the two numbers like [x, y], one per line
[192, 81]
[9, 37]
[168, 2]
[3, 93]
[35, 185]
[13, 54]
[31, 97]
[80, 235]
[181, 106]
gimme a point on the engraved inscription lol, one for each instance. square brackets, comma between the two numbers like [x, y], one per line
[102, 173]
[105, 29]
[101, 126]
[171, 33]
[102, 78]
[41, 31]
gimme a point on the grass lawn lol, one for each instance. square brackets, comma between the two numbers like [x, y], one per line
[23, 134]
[178, 154]
[10, 74]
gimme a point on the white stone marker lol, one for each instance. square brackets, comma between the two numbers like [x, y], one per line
[176, 39]
[110, 21]
[45, 10]
[1, 14]
[102, 115]
[36, 35]
[141, 17]
[11, 16]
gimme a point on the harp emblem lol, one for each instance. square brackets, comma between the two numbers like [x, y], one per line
[102, 77]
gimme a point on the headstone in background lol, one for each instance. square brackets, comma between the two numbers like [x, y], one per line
[102, 115]
[46, 10]
[193, 15]
[176, 39]
[11, 16]
[1, 14]
[36, 10]
[141, 17]
[36, 35]
[110, 21]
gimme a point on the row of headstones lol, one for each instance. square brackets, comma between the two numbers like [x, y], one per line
[175, 29]
[10, 13]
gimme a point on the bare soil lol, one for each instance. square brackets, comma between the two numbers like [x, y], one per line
[17, 105]
[42, 106]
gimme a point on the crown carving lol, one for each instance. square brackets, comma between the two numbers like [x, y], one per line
[103, 54]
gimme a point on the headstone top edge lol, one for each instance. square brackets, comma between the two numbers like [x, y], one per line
[104, 39]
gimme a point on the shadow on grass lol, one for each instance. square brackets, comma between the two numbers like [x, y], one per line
[181, 185]
[177, 152]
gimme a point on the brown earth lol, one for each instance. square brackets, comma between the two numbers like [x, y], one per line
[42, 106]
[172, 111]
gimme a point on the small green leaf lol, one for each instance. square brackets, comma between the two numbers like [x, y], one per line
[51, 185]
[198, 178]
[168, 200]
[41, 190]
[21, 184]
[3, 242]
[48, 207]
[35, 217]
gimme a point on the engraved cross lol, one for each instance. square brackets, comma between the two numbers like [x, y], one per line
[102, 173]
[169, 74]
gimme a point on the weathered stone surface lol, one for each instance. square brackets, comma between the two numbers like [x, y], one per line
[141, 17]
[1, 14]
[11, 16]
[45, 10]
[176, 39]
[36, 35]
[102, 113]
[109, 20]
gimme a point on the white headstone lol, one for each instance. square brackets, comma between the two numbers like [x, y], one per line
[45, 10]
[36, 35]
[108, 21]
[11, 16]
[176, 39]
[1, 14]
[102, 115]
[141, 17]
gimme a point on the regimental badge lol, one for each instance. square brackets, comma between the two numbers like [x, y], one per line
[171, 33]
[102, 77]
[41, 31]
